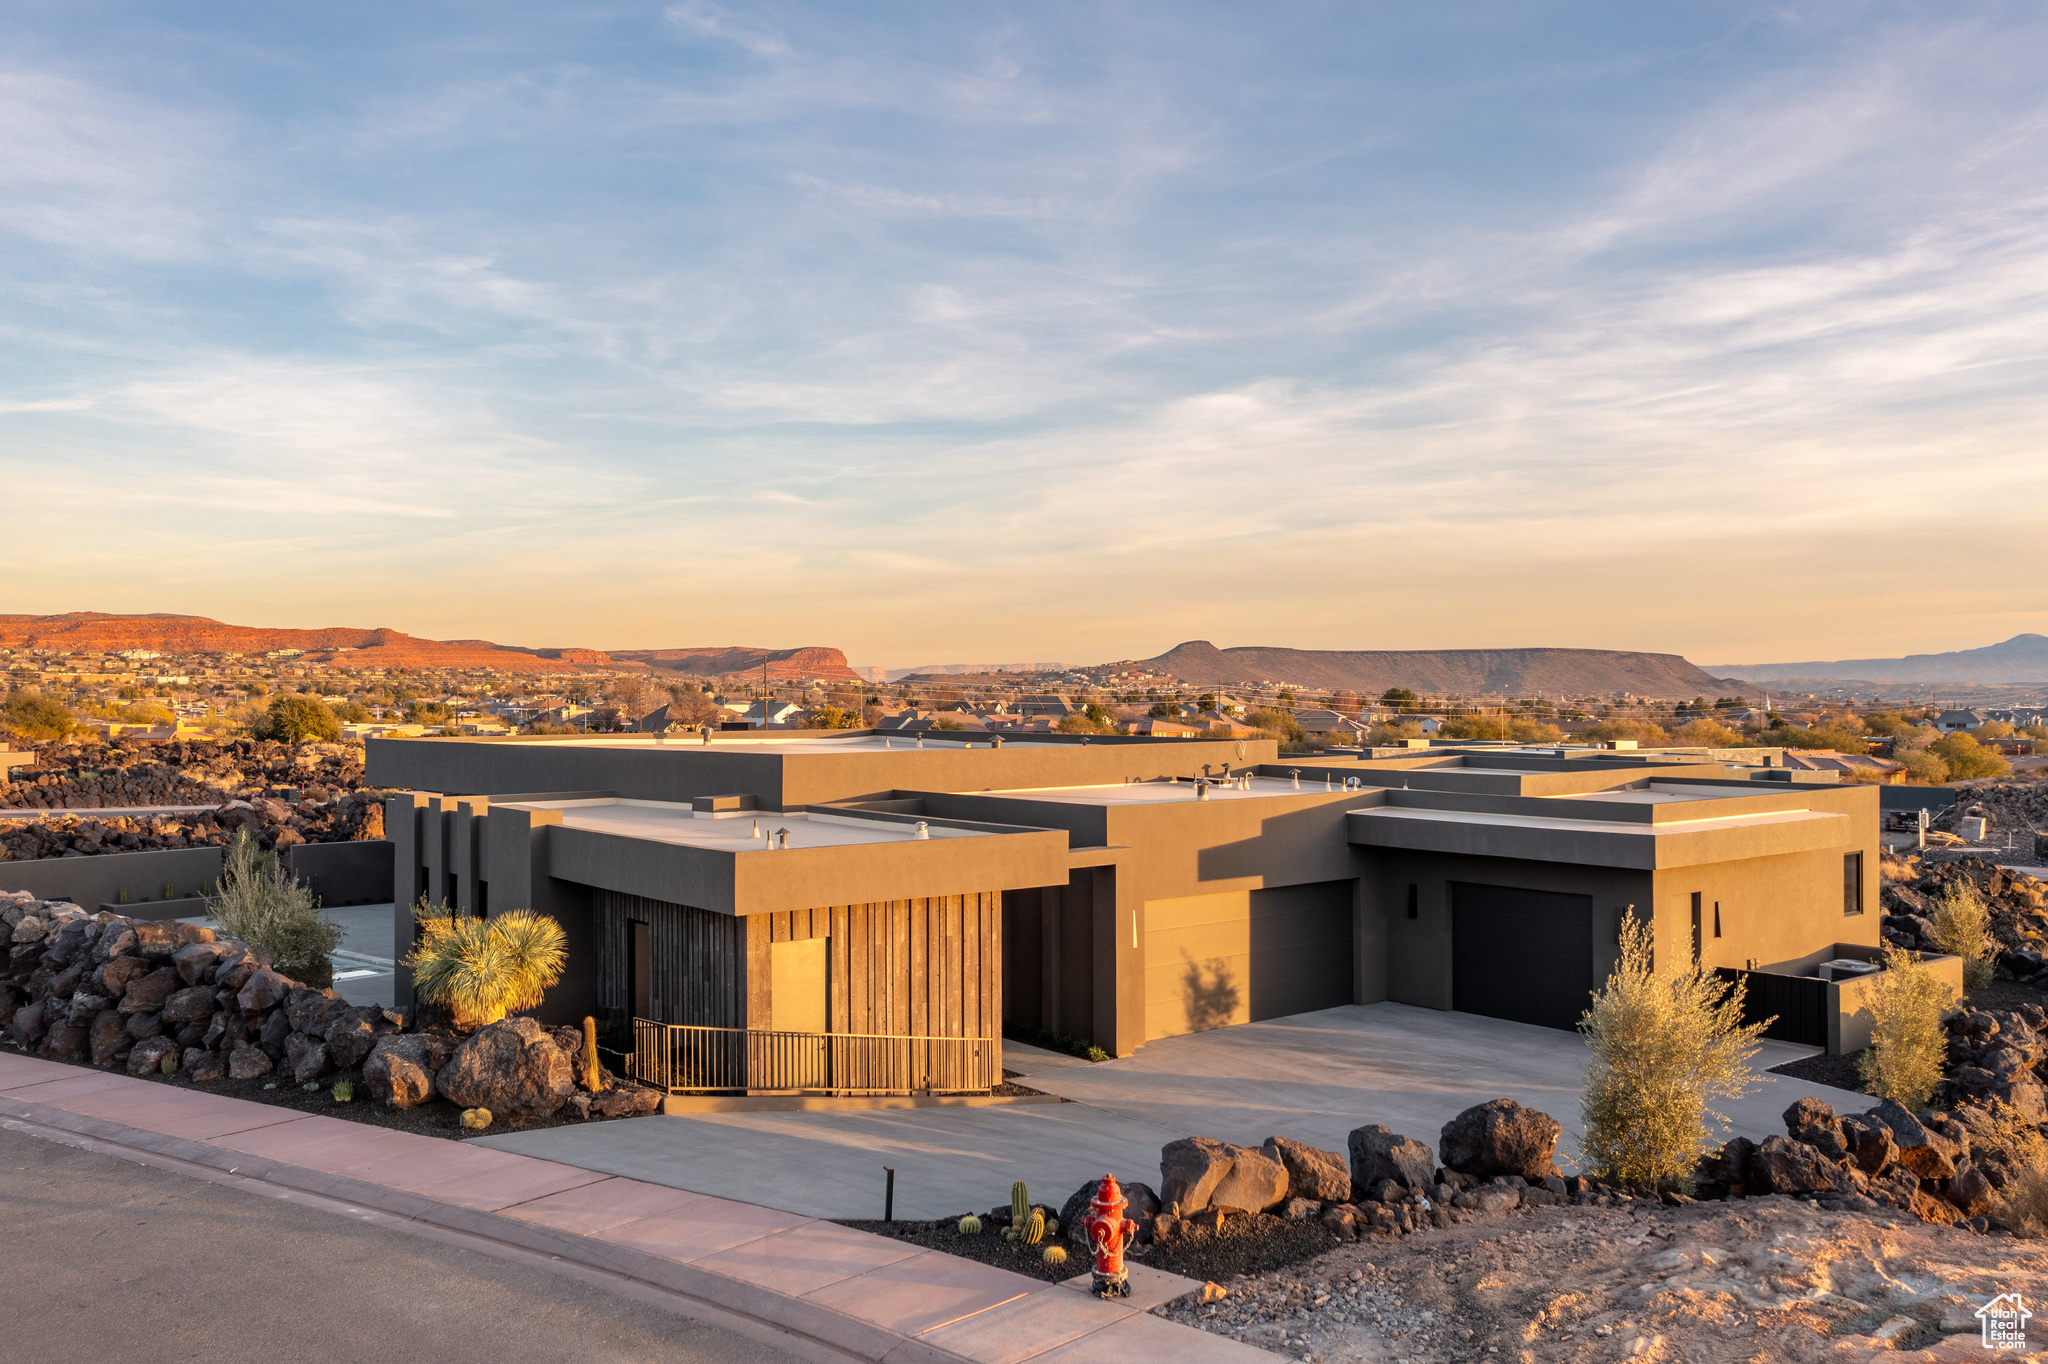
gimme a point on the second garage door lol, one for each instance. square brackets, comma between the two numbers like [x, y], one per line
[1525, 955]
[1214, 960]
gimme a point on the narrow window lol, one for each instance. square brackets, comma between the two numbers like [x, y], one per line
[483, 899]
[422, 889]
[1717, 918]
[1852, 883]
[639, 970]
[1414, 902]
[1696, 943]
[452, 897]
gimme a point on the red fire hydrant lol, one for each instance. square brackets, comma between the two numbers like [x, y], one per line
[1109, 1231]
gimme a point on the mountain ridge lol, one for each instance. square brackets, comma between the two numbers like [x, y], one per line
[2021, 659]
[1511, 672]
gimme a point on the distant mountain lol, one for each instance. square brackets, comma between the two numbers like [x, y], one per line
[1468, 672]
[814, 661]
[956, 670]
[93, 631]
[2023, 658]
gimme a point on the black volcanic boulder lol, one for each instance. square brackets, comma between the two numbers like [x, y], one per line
[511, 1067]
[1500, 1137]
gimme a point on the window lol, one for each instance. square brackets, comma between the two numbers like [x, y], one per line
[483, 899]
[1414, 902]
[1697, 945]
[453, 898]
[1717, 918]
[1852, 884]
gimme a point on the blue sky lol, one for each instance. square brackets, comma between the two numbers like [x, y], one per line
[1033, 331]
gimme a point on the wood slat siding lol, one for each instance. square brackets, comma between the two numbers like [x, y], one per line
[928, 967]
[698, 967]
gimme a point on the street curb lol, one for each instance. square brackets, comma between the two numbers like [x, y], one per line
[708, 1296]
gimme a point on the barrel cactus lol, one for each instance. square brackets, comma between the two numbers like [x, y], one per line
[1034, 1229]
[970, 1225]
[1055, 1255]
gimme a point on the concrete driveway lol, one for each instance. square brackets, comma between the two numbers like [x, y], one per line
[1312, 1077]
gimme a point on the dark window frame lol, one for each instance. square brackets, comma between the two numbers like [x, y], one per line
[1852, 884]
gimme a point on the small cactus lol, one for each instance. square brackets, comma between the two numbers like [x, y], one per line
[1055, 1255]
[1052, 1225]
[1034, 1230]
[169, 1065]
[970, 1225]
[476, 1119]
[344, 1091]
[1020, 1204]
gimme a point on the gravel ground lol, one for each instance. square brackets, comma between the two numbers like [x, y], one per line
[1769, 1280]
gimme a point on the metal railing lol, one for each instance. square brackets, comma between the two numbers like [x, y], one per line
[685, 1059]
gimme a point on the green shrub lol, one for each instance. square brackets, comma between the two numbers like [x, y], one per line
[1968, 759]
[1907, 1046]
[297, 719]
[1665, 1046]
[1962, 928]
[482, 969]
[274, 913]
[36, 717]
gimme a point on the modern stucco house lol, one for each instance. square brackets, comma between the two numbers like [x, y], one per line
[1120, 890]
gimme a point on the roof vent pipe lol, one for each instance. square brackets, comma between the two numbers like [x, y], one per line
[924, 830]
[920, 741]
[1201, 790]
[705, 730]
[1295, 772]
[782, 838]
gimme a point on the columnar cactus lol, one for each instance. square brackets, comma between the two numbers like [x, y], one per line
[1020, 1203]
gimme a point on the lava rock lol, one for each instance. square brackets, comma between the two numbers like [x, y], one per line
[148, 1056]
[1312, 1173]
[264, 989]
[1378, 1152]
[1256, 1182]
[1812, 1122]
[307, 1057]
[204, 1066]
[1189, 1170]
[1500, 1137]
[512, 1067]
[1141, 1206]
[1928, 1156]
[248, 1063]
[192, 1004]
[148, 993]
[1784, 1166]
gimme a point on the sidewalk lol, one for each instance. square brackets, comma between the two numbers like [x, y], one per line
[862, 1296]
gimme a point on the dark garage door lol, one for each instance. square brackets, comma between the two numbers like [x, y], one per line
[1525, 955]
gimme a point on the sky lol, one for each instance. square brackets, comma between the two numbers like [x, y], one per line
[1032, 331]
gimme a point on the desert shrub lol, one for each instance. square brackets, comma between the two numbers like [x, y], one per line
[1077, 722]
[1967, 759]
[274, 913]
[482, 969]
[1907, 1047]
[1273, 723]
[1507, 727]
[1707, 734]
[1962, 928]
[351, 712]
[1922, 767]
[1665, 1047]
[296, 719]
[1642, 731]
[144, 713]
[35, 717]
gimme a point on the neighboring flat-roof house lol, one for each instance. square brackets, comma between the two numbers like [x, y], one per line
[1120, 889]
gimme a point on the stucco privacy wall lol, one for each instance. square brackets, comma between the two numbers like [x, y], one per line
[1244, 955]
[339, 874]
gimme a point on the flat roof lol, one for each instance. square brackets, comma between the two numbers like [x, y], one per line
[1168, 793]
[788, 741]
[657, 821]
[1611, 826]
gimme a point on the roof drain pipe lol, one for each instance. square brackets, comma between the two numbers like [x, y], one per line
[923, 830]
[1202, 789]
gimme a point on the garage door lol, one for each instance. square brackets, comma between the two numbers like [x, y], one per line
[1525, 955]
[1213, 960]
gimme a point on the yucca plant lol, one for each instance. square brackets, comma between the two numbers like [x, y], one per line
[482, 969]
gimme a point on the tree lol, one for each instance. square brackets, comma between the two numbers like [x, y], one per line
[1968, 759]
[1164, 710]
[274, 914]
[1962, 928]
[1907, 1046]
[1922, 767]
[36, 718]
[831, 717]
[692, 707]
[145, 713]
[1992, 729]
[351, 712]
[1077, 722]
[1276, 724]
[1665, 1047]
[1642, 731]
[297, 719]
[1345, 702]
[1704, 733]
[1397, 696]
[482, 969]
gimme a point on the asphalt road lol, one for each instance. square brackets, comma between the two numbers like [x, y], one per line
[101, 1259]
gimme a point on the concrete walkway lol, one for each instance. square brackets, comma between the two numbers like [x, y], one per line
[1312, 1077]
[841, 1293]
